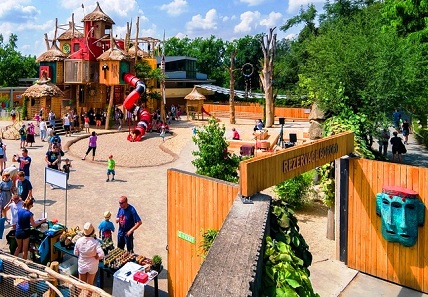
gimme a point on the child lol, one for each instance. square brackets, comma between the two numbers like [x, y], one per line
[162, 133]
[23, 136]
[111, 164]
[66, 167]
[86, 119]
[106, 227]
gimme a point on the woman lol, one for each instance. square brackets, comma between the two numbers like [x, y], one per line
[23, 226]
[398, 147]
[30, 134]
[92, 145]
[406, 131]
[6, 186]
[2, 155]
[89, 251]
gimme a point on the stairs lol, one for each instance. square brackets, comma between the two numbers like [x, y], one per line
[59, 128]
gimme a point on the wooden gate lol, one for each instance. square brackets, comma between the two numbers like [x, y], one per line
[367, 250]
[195, 203]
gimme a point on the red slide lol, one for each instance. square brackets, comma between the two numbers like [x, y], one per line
[140, 88]
[210, 115]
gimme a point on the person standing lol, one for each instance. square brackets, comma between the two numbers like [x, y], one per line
[398, 147]
[43, 130]
[14, 205]
[6, 187]
[406, 131]
[31, 131]
[2, 155]
[22, 136]
[86, 120]
[89, 252]
[13, 115]
[66, 123]
[128, 220]
[92, 145]
[24, 163]
[383, 142]
[51, 118]
[24, 186]
[106, 227]
[111, 164]
[53, 157]
[396, 117]
[25, 221]
[66, 167]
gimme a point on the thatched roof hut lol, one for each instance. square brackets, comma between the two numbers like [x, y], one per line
[98, 15]
[140, 52]
[70, 33]
[195, 95]
[114, 53]
[43, 88]
[52, 55]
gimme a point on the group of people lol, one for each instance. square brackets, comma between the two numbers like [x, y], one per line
[398, 147]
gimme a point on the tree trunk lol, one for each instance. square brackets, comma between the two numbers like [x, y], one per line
[110, 106]
[232, 90]
[268, 44]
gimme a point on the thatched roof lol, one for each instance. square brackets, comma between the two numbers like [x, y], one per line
[68, 35]
[98, 15]
[43, 88]
[195, 95]
[53, 54]
[140, 52]
[114, 54]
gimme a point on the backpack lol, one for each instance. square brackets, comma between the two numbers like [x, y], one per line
[21, 131]
[1, 149]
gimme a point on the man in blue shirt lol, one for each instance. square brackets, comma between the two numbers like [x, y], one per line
[25, 189]
[129, 221]
[24, 163]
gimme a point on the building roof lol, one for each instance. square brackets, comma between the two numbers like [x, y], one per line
[173, 58]
[53, 54]
[195, 95]
[114, 54]
[43, 88]
[140, 52]
[98, 15]
[68, 34]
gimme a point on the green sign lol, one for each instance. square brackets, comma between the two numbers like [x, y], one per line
[186, 237]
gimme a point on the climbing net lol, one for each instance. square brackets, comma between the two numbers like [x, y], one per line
[247, 71]
[24, 278]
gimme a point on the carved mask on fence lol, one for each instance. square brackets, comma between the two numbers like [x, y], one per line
[401, 212]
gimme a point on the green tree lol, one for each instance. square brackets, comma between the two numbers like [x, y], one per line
[13, 65]
[150, 76]
[212, 158]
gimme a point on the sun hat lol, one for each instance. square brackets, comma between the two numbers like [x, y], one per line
[107, 215]
[88, 229]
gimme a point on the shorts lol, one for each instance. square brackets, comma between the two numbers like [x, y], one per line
[98, 123]
[86, 125]
[67, 127]
[1, 156]
[111, 171]
[395, 150]
[405, 132]
[22, 234]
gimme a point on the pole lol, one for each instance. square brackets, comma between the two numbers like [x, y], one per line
[163, 101]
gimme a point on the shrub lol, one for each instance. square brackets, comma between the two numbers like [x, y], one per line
[295, 191]
[208, 239]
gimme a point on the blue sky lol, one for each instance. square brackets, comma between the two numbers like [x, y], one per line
[226, 19]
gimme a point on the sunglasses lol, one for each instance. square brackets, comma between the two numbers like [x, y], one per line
[121, 202]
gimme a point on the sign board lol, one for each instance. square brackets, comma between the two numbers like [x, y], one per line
[56, 178]
[186, 237]
[262, 172]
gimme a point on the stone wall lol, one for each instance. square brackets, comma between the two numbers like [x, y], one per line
[233, 266]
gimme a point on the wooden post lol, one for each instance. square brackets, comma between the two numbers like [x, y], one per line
[54, 266]
[232, 89]
[110, 105]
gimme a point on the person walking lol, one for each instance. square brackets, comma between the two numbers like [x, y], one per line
[111, 165]
[31, 131]
[43, 130]
[23, 226]
[24, 163]
[406, 131]
[66, 124]
[398, 147]
[92, 145]
[66, 168]
[89, 252]
[13, 115]
[51, 118]
[2, 155]
[383, 142]
[129, 221]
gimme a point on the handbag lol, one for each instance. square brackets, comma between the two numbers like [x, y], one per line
[403, 149]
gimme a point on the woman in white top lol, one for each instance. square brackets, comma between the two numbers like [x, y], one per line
[89, 251]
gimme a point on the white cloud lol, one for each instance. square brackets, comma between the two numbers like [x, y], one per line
[294, 5]
[110, 7]
[176, 7]
[180, 35]
[225, 19]
[272, 20]
[17, 12]
[199, 23]
[253, 2]
[249, 19]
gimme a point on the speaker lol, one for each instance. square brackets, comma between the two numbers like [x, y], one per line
[281, 121]
[293, 137]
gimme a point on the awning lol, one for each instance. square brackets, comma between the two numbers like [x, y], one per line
[239, 94]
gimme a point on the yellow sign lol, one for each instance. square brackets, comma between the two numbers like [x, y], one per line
[260, 173]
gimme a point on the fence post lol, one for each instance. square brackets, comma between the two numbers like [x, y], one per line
[341, 208]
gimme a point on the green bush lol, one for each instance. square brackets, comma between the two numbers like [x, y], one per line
[421, 134]
[295, 191]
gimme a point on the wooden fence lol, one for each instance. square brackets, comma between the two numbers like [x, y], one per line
[367, 250]
[282, 112]
[195, 203]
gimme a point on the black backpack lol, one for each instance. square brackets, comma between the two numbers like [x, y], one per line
[21, 131]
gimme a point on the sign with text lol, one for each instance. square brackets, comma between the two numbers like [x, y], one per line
[260, 173]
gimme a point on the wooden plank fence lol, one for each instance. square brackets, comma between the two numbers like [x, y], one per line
[367, 250]
[195, 203]
[282, 112]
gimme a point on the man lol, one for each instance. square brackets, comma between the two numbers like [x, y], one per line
[25, 189]
[66, 123]
[53, 157]
[129, 221]
[24, 163]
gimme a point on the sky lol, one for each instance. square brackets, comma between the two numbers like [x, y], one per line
[225, 19]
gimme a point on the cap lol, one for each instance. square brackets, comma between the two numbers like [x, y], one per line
[67, 159]
[88, 229]
[110, 156]
[107, 215]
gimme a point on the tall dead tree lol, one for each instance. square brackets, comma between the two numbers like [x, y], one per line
[268, 43]
[232, 89]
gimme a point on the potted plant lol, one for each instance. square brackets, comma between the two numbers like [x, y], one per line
[156, 263]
